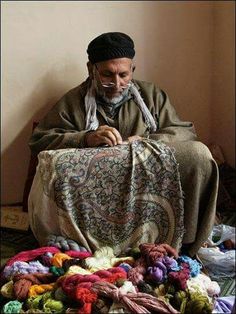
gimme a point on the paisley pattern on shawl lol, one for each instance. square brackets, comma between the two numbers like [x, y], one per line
[118, 196]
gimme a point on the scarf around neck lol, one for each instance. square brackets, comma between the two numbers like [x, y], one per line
[91, 108]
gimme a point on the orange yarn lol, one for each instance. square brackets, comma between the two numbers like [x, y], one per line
[58, 259]
[40, 289]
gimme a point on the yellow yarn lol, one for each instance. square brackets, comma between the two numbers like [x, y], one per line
[7, 290]
[36, 290]
[104, 258]
[58, 259]
[75, 269]
[160, 290]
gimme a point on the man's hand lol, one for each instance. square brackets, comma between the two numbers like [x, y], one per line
[104, 135]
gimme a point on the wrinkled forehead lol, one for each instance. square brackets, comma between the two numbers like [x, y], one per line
[113, 65]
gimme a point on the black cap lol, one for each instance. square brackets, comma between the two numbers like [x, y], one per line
[109, 46]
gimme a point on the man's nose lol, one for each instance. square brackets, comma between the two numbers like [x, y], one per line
[117, 81]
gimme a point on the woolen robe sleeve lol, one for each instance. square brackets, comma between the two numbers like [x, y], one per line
[170, 127]
[63, 126]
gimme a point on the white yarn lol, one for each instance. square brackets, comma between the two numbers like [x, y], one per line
[91, 108]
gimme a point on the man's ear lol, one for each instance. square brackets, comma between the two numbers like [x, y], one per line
[133, 67]
[90, 69]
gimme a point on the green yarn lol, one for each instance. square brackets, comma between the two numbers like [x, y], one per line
[188, 303]
[45, 303]
[198, 304]
[59, 295]
[34, 302]
[134, 252]
[12, 307]
[119, 282]
[31, 311]
[180, 299]
[53, 306]
[57, 271]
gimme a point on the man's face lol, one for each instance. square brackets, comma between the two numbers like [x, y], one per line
[112, 78]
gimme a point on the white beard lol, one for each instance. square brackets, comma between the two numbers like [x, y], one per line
[114, 100]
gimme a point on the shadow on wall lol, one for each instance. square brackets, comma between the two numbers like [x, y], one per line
[15, 158]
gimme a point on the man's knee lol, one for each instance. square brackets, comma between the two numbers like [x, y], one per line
[193, 155]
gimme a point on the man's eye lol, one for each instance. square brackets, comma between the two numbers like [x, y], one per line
[106, 75]
[123, 75]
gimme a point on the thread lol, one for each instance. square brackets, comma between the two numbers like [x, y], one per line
[152, 252]
[12, 307]
[64, 244]
[7, 290]
[60, 295]
[77, 254]
[198, 304]
[134, 302]
[53, 306]
[35, 290]
[22, 283]
[127, 267]
[77, 270]
[70, 262]
[24, 268]
[30, 255]
[203, 284]
[179, 278]
[136, 274]
[146, 288]
[58, 259]
[194, 265]
[56, 271]
[104, 258]
[86, 297]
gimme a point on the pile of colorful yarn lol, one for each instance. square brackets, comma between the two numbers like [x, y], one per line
[151, 279]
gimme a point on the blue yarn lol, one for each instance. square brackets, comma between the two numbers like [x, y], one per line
[125, 266]
[194, 265]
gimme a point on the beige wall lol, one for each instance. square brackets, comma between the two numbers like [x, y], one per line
[223, 83]
[178, 46]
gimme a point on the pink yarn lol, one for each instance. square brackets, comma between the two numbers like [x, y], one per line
[78, 254]
[136, 274]
[134, 302]
[30, 255]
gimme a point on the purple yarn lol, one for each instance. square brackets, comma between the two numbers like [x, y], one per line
[46, 259]
[170, 263]
[156, 274]
[224, 304]
[24, 268]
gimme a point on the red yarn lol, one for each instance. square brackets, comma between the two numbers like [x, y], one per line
[78, 254]
[86, 297]
[30, 255]
[152, 252]
[179, 278]
[71, 282]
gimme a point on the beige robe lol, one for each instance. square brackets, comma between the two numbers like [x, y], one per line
[64, 127]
